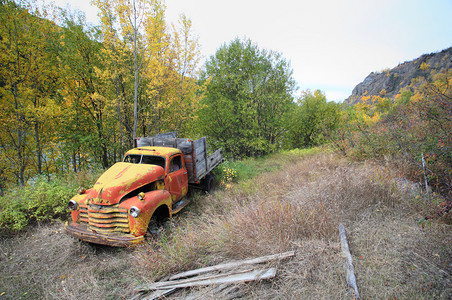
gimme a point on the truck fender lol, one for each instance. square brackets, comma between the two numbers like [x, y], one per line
[148, 206]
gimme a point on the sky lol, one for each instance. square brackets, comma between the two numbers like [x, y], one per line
[332, 45]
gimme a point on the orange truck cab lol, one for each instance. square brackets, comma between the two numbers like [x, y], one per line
[148, 186]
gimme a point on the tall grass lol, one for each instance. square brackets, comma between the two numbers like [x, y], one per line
[272, 212]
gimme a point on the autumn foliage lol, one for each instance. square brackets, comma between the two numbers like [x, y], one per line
[73, 95]
[413, 128]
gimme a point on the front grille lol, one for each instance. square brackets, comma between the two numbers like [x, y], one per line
[105, 218]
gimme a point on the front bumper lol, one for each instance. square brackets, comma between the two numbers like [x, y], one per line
[117, 240]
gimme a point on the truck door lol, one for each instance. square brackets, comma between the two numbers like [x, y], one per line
[177, 178]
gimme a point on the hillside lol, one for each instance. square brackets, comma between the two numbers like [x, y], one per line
[391, 81]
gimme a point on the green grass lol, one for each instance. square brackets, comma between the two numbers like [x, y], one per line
[251, 167]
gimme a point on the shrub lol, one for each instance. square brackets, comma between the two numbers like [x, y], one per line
[415, 127]
[40, 201]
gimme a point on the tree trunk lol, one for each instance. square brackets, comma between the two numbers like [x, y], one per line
[121, 130]
[38, 148]
[136, 73]
[20, 137]
[74, 162]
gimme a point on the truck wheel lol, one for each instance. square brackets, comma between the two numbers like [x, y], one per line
[157, 221]
[210, 183]
[154, 227]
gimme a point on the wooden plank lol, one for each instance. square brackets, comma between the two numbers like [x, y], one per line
[214, 160]
[200, 150]
[172, 134]
[351, 279]
[165, 142]
[201, 170]
[169, 282]
[224, 291]
[145, 141]
[231, 265]
[199, 145]
[159, 294]
[184, 145]
[200, 164]
[216, 279]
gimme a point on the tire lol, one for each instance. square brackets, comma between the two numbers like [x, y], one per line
[209, 185]
[154, 228]
[157, 222]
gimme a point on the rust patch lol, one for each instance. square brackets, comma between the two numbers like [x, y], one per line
[117, 240]
[122, 172]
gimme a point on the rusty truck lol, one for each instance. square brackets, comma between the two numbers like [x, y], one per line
[148, 186]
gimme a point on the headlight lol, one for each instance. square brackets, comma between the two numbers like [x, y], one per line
[141, 196]
[134, 211]
[72, 205]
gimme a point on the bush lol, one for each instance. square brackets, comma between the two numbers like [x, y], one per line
[40, 201]
[414, 128]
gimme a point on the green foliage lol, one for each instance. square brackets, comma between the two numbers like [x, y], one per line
[248, 92]
[40, 201]
[226, 174]
[311, 121]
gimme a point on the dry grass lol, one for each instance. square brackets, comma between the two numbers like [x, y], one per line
[45, 263]
[297, 208]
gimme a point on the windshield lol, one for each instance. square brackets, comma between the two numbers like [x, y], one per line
[145, 159]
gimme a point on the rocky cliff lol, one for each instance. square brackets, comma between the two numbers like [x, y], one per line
[388, 83]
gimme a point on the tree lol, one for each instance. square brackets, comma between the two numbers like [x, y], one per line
[70, 93]
[28, 78]
[248, 91]
[177, 109]
[311, 120]
[163, 62]
[142, 25]
[85, 104]
[413, 129]
[117, 75]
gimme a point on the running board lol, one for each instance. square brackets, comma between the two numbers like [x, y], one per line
[179, 205]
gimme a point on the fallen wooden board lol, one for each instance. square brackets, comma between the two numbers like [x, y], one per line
[164, 283]
[158, 294]
[215, 279]
[232, 265]
[223, 291]
[351, 279]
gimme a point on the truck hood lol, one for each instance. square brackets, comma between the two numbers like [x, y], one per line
[122, 178]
